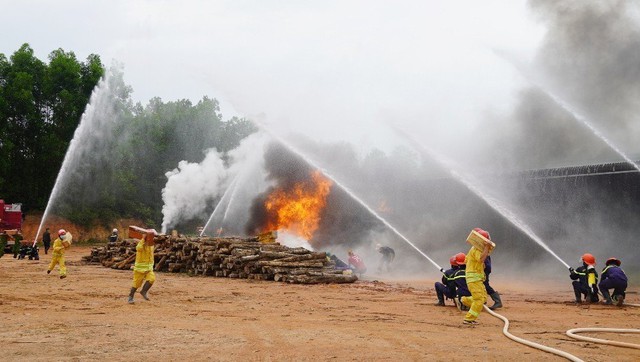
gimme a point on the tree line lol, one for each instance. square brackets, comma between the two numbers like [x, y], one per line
[41, 105]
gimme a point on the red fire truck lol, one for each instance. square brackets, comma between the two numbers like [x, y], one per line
[10, 222]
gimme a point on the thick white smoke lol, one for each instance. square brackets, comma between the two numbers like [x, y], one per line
[190, 186]
[245, 180]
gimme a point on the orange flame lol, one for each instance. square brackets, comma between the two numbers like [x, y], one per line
[298, 210]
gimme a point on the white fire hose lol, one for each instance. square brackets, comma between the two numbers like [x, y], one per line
[505, 331]
[571, 333]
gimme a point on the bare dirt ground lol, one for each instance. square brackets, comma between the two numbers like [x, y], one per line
[86, 317]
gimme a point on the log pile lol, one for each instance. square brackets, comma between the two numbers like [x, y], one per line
[230, 257]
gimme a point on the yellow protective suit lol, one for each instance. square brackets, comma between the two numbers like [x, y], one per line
[475, 282]
[143, 268]
[58, 257]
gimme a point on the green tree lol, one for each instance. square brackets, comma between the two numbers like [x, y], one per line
[40, 108]
[233, 131]
[23, 103]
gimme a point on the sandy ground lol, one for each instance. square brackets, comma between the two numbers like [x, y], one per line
[86, 317]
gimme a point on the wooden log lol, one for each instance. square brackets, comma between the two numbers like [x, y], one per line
[306, 279]
[311, 256]
[124, 263]
[298, 264]
[299, 250]
[160, 264]
[230, 257]
[275, 255]
[273, 247]
[243, 252]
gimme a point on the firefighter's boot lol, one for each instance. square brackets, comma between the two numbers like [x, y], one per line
[440, 298]
[578, 296]
[145, 289]
[606, 296]
[131, 294]
[497, 302]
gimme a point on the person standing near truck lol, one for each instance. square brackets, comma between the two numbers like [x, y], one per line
[46, 240]
[17, 243]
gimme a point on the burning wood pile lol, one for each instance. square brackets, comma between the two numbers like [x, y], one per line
[230, 257]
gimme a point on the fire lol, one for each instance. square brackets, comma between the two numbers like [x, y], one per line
[298, 209]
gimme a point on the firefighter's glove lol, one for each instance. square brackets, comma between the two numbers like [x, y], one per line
[571, 270]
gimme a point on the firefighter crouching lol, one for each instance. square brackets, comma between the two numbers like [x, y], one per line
[613, 277]
[143, 268]
[585, 279]
[460, 278]
[448, 286]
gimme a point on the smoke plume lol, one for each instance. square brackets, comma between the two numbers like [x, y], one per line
[190, 187]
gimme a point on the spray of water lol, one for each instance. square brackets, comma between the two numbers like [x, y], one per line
[566, 107]
[244, 163]
[492, 202]
[89, 140]
[231, 199]
[348, 191]
[225, 199]
[580, 118]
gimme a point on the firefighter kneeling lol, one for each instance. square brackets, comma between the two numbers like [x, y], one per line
[143, 268]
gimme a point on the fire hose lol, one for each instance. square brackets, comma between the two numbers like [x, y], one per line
[505, 331]
[571, 333]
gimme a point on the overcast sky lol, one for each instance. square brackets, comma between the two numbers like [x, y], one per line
[297, 64]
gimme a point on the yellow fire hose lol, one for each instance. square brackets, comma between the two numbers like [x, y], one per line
[571, 333]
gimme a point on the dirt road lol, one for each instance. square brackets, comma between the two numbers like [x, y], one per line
[86, 317]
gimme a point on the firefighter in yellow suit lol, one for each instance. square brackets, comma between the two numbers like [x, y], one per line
[61, 244]
[475, 282]
[143, 268]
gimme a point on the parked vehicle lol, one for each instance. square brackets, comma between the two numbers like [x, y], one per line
[11, 218]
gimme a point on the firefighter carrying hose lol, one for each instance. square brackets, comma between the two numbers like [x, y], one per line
[143, 268]
[60, 245]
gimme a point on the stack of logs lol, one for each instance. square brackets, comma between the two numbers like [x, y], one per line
[230, 257]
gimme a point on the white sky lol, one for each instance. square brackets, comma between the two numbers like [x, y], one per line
[303, 65]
